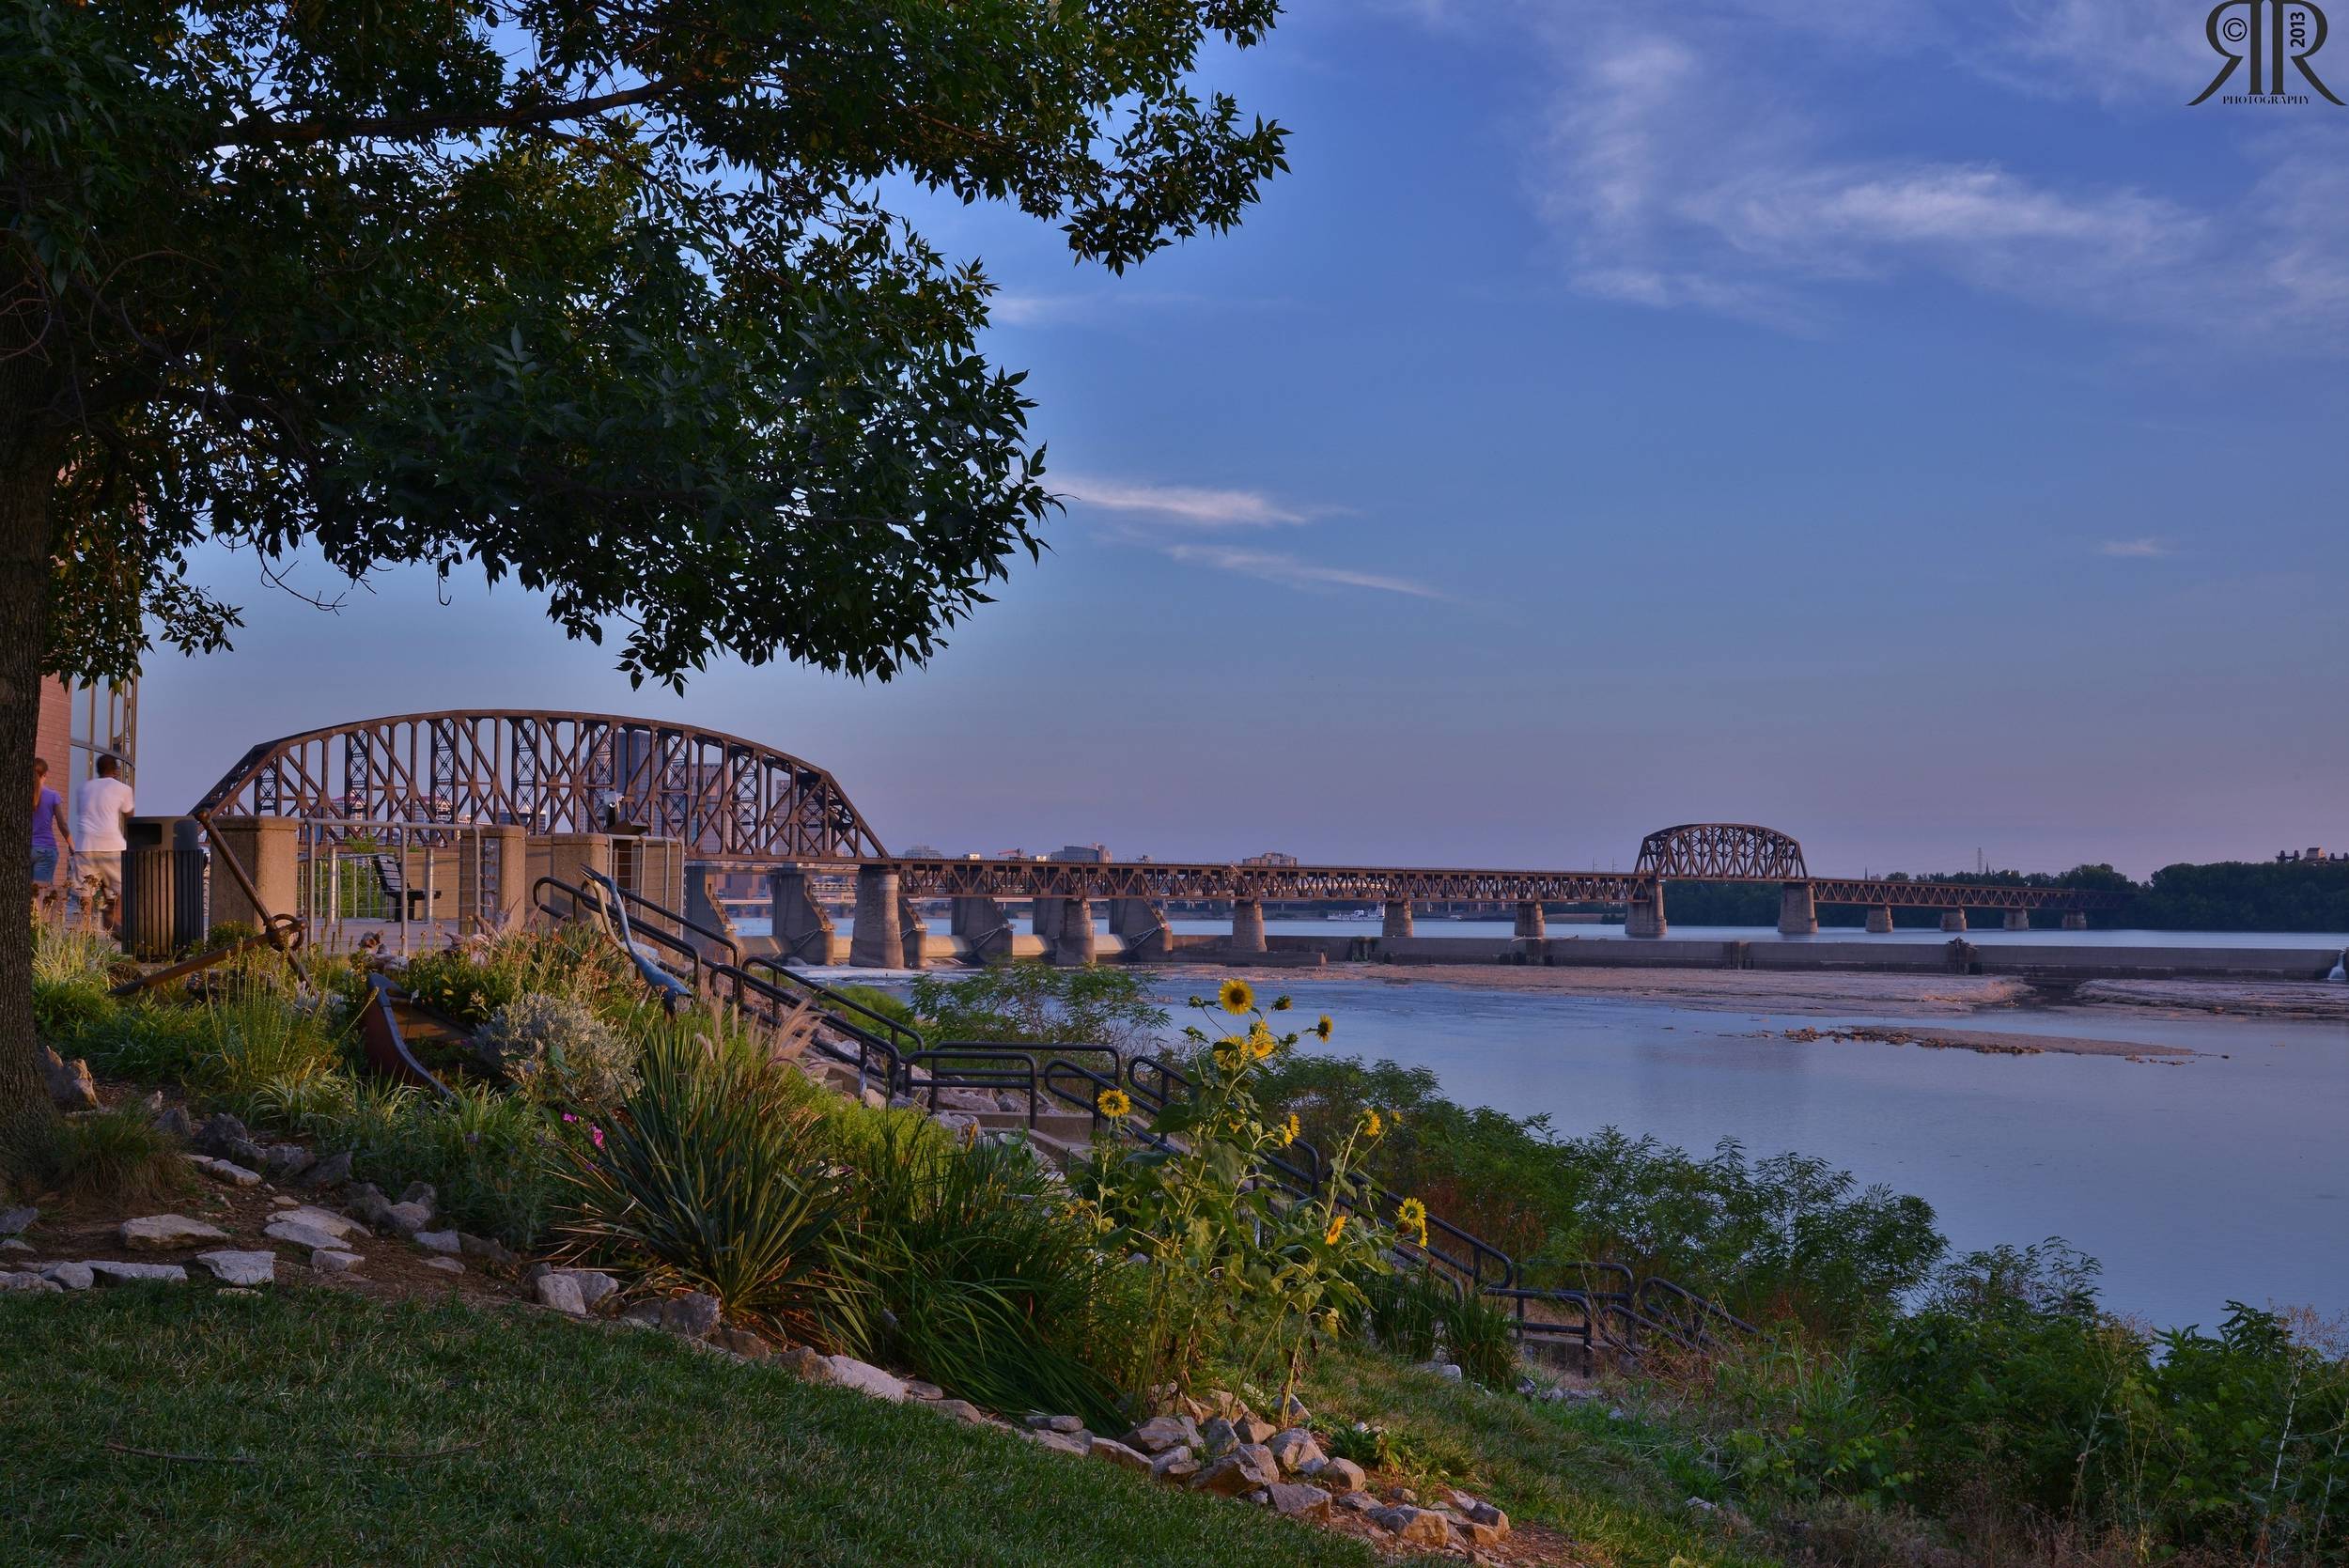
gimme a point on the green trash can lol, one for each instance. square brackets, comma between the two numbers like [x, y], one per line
[162, 886]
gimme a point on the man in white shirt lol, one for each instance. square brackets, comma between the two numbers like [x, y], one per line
[101, 807]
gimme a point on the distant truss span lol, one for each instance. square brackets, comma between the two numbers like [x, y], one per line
[1722, 852]
[726, 798]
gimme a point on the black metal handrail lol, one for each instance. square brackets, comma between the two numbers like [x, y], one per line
[902, 1036]
[876, 1060]
[1703, 1311]
[708, 934]
[1012, 1068]
[666, 985]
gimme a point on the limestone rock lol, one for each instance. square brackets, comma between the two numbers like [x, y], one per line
[850, 1372]
[926, 1392]
[172, 1121]
[241, 1268]
[420, 1193]
[331, 1260]
[1422, 1527]
[136, 1273]
[1295, 1449]
[809, 1364]
[1300, 1502]
[1217, 1437]
[17, 1244]
[487, 1249]
[593, 1285]
[1039, 1422]
[28, 1281]
[1119, 1454]
[1294, 1412]
[1245, 1468]
[226, 1170]
[446, 1265]
[963, 1410]
[160, 1232]
[1485, 1513]
[1478, 1533]
[1160, 1433]
[327, 1219]
[17, 1221]
[560, 1292]
[406, 1219]
[1448, 1370]
[1174, 1464]
[301, 1232]
[72, 1276]
[1341, 1475]
[70, 1087]
[219, 1131]
[739, 1342]
[1060, 1442]
[1253, 1430]
[1359, 1501]
[332, 1171]
[286, 1159]
[445, 1242]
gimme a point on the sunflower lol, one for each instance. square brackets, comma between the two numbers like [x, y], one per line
[1230, 1053]
[1412, 1216]
[1261, 1041]
[1280, 1005]
[1290, 1129]
[1372, 1124]
[1337, 1229]
[1237, 995]
[1324, 1027]
[1114, 1104]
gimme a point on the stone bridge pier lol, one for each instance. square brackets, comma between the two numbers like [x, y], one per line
[1953, 920]
[801, 927]
[983, 925]
[1880, 919]
[1397, 919]
[878, 941]
[1247, 925]
[1797, 911]
[2076, 921]
[1073, 935]
[2018, 920]
[1532, 920]
[1643, 916]
[1141, 925]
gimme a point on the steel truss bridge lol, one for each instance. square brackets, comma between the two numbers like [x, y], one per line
[734, 802]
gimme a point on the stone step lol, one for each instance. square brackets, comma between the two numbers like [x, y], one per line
[1064, 1126]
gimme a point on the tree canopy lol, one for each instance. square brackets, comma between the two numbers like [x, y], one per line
[599, 296]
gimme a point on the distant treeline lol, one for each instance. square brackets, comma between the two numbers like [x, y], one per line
[2230, 895]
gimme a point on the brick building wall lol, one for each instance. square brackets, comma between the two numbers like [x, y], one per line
[57, 724]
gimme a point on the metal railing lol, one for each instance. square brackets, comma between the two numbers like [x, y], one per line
[403, 881]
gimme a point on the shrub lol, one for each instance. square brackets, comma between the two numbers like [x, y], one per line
[1482, 1340]
[1406, 1311]
[464, 983]
[65, 1011]
[554, 1048]
[708, 1177]
[1043, 1006]
[146, 1041]
[257, 1036]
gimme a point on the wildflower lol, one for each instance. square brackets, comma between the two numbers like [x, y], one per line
[1372, 1124]
[1290, 1129]
[1230, 1053]
[1324, 1027]
[1235, 995]
[1412, 1216]
[1115, 1104]
[1261, 1043]
[1280, 1005]
[1337, 1229]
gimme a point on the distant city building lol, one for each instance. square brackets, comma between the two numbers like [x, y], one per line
[1270, 856]
[1083, 854]
[926, 852]
[2288, 857]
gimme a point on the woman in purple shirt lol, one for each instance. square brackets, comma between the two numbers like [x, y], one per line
[50, 838]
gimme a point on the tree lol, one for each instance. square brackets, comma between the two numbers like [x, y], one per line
[600, 295]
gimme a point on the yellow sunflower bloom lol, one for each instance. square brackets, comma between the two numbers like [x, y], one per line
[1237, 995]
[1230, 1053]
[1280, 1005]
[1324, 1027]
[1412, 1218]
[1337, 1229]
[1261, 1041]
[1114, 1104]
[1291, 1130]
[1372, 1124]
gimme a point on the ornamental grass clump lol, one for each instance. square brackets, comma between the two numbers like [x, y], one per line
[708, 1176]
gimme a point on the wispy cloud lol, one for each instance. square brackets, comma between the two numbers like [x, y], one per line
[1187, 505]
[1275, 567]
[2135, 550]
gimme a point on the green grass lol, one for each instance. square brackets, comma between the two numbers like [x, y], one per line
[595, 1445]
[1620, 1488]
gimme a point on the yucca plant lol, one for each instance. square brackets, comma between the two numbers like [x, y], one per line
[1406, 1310]
[1482, 1338]
[708, 1177]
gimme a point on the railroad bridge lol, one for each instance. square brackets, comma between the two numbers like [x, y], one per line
[562, 788]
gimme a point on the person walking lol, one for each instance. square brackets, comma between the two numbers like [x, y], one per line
[50, 836]
[100, 810]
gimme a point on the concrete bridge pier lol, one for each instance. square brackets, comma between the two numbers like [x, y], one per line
[1953, 920]
[1247, 925]
[878, 941]
[913, 931]
[1072, 947]
[1141, 925]
[703, 909]
[1880, 919]
[1644, 915]
[2018, 920]
[2075, 920]
[801, 927]
[1397, 921]
[1532, 920]
[982, 924]
[1797, 911]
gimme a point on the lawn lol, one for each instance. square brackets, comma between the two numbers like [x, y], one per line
[315, 1426]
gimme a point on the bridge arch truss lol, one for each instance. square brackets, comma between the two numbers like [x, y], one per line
[727, 798]
[1722, 852]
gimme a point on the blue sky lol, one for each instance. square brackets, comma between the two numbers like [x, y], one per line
[1903, 424]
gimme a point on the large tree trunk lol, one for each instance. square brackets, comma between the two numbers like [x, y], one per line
[29, 478]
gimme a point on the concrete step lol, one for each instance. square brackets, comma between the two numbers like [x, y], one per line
[1066, 1126]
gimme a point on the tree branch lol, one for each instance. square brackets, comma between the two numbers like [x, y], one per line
[404, 127]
